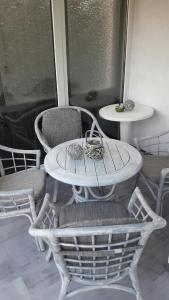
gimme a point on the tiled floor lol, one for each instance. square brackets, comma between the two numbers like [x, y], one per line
[25, 275]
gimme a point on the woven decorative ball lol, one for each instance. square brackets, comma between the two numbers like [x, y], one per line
[94, 149]
[129, 105]
[75, 151]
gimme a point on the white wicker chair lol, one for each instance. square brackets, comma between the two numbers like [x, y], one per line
[22, 184]
[155, 171]
[59, 124]
[63, 123]
[91, 252]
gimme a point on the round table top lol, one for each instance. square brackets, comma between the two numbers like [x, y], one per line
[121, 161]
[140, 112]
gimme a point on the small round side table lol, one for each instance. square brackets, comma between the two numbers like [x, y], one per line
[140, 112]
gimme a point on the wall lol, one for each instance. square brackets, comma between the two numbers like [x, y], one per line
[147, 64]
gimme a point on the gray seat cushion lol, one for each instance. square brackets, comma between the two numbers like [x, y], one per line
[27, 179]
[93, 214]
[152, 166]
[61, 125]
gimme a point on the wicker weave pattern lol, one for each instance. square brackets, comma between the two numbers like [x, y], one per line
[158, 147]
[108, 254]
[63, 123]
[60, 125]
[20, 202]
[17, 160]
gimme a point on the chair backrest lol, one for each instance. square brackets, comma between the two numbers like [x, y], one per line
[17, 202]
[14, 160]
[60, 124]
[157, 144]
[98, 253]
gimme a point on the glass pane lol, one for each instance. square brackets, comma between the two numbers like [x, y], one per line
[27, 74]
[95, 39]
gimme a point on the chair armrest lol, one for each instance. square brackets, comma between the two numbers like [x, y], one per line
[139, 208]
[96, 127]
[164, 178]
[165, 172]
[47, 217]
[39, 134]
[44, 143]
[152, 136]
[137, 141]
[16, 193]
[45, 205]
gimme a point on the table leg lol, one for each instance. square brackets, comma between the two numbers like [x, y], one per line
[82, 194]
[125, 131]
[49, 255]
[55, 192]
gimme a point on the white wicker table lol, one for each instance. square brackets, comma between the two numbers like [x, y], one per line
[121, 161]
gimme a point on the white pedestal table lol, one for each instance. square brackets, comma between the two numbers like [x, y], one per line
[140, 112]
